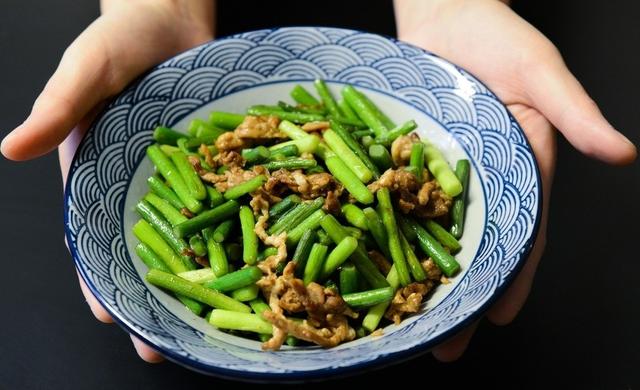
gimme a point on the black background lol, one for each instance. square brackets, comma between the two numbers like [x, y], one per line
[580, 328]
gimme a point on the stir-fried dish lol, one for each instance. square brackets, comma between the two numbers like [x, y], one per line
[318, 222]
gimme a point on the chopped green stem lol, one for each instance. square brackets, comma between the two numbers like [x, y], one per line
[414, 264]
[380, 157]
[246, 293]
[245, 188]
[249, 237]
[406, 227]
[292, 116]
[348, 279]
[338, 255]
[396, 132]
[351, 160]
[290, 150]
[150, 258]
[368, 298]
[361, 133]
[169, 171]
[197, 245]
[256, 155]
[313, 269]
[359, 257]
[374, 315]
[284, 205]
[376, 227]
[149, 236]
[157, 221]
[441, 170]
[215, 197]
[246, 322]
[303, 249]
[441, 234]
[347, 111]
[349, 180]
[355, 216]
[459, 203]
[395, 249]
[302, 96]
[270, 251]
[291, 164]
[296, 216]
[216, 253]
[354, 98]
[200, 276]
[416, 160]
[225, 120]
[222, 231]
[440, 256]
[207, 218]
[312, 222]
[166, 136]
[235, 280]
[165, 208]
[381, 116]
[195, 291]
[327, 99]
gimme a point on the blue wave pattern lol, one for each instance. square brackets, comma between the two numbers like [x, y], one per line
[115, 145]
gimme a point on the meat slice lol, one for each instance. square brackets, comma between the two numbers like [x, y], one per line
[326, 324]
[259, 127]
[401, 149]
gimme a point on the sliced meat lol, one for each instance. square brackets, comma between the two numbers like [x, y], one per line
[396, 180]
[231, 141]
[407, 300]
[316, 126]
[327, 312]
[401, 149]
[259, 127]
[334, 331]
[308, 186]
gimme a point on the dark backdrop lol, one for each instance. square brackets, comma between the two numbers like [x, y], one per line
[580, 328]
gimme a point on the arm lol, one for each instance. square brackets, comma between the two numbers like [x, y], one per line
[527, 72]
[129, 37]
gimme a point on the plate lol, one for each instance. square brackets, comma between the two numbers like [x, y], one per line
[453, 110]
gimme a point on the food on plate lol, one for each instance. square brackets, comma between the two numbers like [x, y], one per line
[317, 222]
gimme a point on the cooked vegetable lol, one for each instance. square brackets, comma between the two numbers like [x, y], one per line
[302, 96]
[225, 120]
[441, 170]
[364, 111]
[192, 290]
[207, 218]
[169, 171]
[249, 237]
[459, 203]
[326, 218]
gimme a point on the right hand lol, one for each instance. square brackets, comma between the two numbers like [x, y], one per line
[130, 37]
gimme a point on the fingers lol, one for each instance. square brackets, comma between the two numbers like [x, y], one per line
[560, 97]
[454, 348]
[145, 352]
[80, 82]
[96, 308]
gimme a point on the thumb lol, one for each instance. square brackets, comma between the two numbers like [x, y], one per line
[559, 96]
[80, 82]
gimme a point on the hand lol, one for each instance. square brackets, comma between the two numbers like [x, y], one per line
[129, 37]
[527, 72]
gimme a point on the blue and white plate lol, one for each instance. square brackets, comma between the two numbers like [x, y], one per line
[453, 109]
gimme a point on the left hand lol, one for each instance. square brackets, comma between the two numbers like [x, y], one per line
[528, 74]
